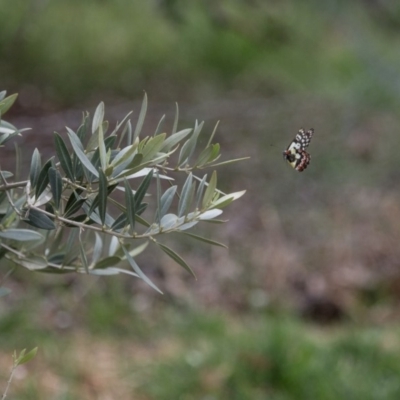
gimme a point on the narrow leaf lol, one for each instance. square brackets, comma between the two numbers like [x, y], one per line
[204, 157]
[39, 220]
[107, 262]
[43, 178]
[137, 269]
[141, 118]
[102, 149]
[205, 240]
[212, 135]
[55, 185]
[130, 206]
[21, 235]
[159, 125]
[227, 199]
[36, 165]
[119, 222]
[189, 146]
[200, 190]
[176, 257]
[74, 206]
[142, 189]
[175, 126]
[184, 201]
[63, 156]
[166, 200]
[78, 149]
[84, 127]
[175, 139]
[102, 196]
[83, 254]
[209, 194]
[153, 146]
[6, 103]
[24, 358]
[98, 117]
[97, 248]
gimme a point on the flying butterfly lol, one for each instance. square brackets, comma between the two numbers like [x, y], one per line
[296, 154]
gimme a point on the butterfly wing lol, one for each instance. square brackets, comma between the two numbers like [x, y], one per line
[295, 154]
[304, 138]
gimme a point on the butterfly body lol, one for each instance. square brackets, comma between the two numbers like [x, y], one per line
[296, 154]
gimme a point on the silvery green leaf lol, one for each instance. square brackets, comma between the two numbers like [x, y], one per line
[158, 198]
[63, 156]
[44, 198]
[227, 199]
[84, 128]
[114, 245]
[6, 103]
[78, 149]
[124, 156]
[212, 135]
[187, 225]
[118, 126]
[102, 149]
[138, 249]
[229, 161]
[21, 235]
[185, 198]
[73, 206]
[215, 153]
[107, 262]
[98, 117]
[176, 257]
[125, 271]
[130, 206]
[3, 94]
[83, 253]
[43, 178]
[205, 240]
[159, 125]
[33, 262]
[97, 248]
[209, 194]
[175, 126]
[189, 146]
[140, 273]
[200, 190]
[142, 189]
[175, 138]
[129, 137]
[104, 272]
[166, 200]
[55, 185]
[120, 222]
[168, 221]
[210, 214]
[36, 165]
[93, 142]
[153, 146]
[141, 118]
[102, 196]
[39, 220]
[203, 157]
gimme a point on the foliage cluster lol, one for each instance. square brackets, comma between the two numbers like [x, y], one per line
[87, 214]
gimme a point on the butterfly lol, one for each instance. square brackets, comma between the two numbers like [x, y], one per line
[296, 154]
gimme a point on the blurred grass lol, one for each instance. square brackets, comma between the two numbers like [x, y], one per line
[199, 354]
[66, 52]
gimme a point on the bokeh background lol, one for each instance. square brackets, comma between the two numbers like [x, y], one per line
[305, 303]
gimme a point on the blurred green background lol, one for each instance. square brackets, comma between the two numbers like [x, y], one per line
[304, 305]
